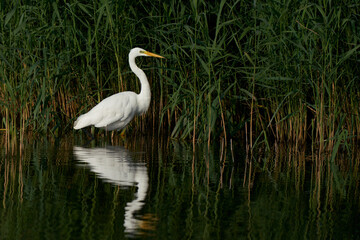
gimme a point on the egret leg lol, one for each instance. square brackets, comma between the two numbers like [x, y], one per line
[90, 135]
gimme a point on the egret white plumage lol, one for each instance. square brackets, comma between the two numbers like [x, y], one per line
[116, 111]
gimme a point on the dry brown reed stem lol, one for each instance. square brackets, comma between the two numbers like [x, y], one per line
[246, 140]
[251, 125]
[207, 164]
[232, 151]
[222, 160]
[193, 172]
[194, 133]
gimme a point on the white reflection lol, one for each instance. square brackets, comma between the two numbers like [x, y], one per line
[115, 165]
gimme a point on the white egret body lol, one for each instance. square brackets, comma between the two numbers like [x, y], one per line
[116, 111]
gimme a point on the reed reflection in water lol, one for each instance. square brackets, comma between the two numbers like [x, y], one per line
[166, 190]
[115, 165]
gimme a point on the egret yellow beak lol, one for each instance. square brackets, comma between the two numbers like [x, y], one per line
[153, 54]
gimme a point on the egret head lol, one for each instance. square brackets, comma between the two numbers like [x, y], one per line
[136, 52]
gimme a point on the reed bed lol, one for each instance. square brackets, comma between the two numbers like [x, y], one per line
[278, 71]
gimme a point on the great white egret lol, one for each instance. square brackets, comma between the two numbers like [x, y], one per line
[116, 111]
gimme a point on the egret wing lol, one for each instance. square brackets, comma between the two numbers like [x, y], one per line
[114, 109]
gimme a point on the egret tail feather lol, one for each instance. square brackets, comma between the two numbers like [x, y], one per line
[81, 122]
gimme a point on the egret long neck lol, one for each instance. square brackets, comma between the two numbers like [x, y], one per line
[145, 94]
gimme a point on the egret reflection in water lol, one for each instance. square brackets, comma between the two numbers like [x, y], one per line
[115, 165]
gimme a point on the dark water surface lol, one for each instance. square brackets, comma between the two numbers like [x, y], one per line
[160, 189]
